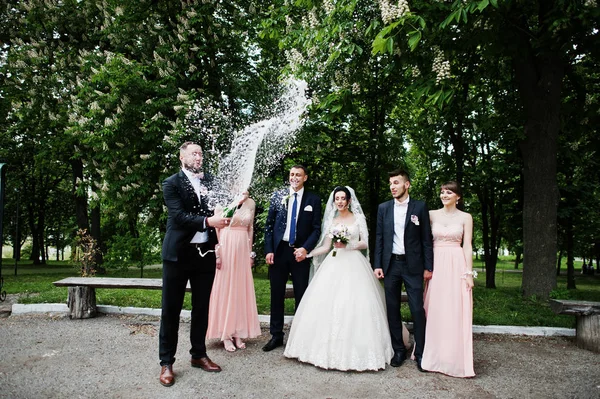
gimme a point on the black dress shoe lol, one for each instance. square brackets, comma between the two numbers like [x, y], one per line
[272, 344]
[398, 359]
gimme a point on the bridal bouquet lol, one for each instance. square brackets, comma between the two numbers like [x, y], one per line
[339, 234]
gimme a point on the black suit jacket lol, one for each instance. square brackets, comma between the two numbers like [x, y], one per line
[418, 242]
[186, 214]
[308, 224]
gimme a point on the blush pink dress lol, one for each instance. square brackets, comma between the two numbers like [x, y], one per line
[232, 311]
[449, 307]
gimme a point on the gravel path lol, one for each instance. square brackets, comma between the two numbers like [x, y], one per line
[46, 356]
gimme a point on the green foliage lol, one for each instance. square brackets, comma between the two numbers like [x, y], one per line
[141, 250]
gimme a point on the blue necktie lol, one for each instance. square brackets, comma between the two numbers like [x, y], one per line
[293, 225]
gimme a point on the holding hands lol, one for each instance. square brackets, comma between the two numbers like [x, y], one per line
[300, 254]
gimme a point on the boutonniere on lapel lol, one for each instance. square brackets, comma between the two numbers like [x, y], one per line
[414, 219]
[285, 200]
[203, 190]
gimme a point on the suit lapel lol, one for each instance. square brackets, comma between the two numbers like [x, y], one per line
[389, 219]
[302, 206]
[411, 206]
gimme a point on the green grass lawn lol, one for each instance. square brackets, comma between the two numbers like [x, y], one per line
[501, 306]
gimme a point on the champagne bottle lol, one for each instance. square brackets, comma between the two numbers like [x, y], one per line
[228, 212]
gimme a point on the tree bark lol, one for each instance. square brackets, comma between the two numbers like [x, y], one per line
[81, 208]
[539, 79]
[570, 254]
[588, 332]
[558, 262]
[82, 302]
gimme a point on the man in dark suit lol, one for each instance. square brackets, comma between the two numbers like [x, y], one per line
[188, 255]
[403, 254]
[292, 230]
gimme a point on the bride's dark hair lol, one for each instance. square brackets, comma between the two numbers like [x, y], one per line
[345, 190]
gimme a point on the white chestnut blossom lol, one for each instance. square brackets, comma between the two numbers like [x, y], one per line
[440, 66]
[328, 6]
[295, 58]
[391, 12]
[313, 19]
[289, 23]
[416, 72]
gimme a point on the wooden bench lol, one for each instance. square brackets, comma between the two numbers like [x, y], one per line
[587, 330]
[82, 291]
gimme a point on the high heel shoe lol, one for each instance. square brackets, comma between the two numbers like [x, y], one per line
[239, 343]
[229, 346]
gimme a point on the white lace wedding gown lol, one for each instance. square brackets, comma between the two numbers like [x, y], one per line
[341, 322]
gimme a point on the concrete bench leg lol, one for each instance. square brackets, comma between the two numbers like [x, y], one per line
[588, 332]
[82, 302]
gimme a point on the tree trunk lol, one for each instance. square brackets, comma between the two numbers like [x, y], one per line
[559, 262]
[488, 257]
[540, 79]
[518, 254]
[376, 127]
[81, 208]
[570, 254]
[96, 235]
[588, 332]
[82, 302]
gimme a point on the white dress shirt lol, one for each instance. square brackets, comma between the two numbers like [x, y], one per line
[400, 209]
[290, 204]
[201, 236]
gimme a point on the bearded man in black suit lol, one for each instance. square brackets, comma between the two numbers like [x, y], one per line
[403, 254]
[188, 255]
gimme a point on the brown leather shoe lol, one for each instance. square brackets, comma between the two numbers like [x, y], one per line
[206, 364]
[167, 378]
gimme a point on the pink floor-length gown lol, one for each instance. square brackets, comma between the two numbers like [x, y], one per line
[449, 307]
[232, 311]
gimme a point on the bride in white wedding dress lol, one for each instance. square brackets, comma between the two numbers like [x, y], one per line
[341, 322]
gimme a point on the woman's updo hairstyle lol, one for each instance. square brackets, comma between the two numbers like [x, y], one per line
[345, 190]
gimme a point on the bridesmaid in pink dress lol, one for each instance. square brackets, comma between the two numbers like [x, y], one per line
[233, 315]
[448, 298]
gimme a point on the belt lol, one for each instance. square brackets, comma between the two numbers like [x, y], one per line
[288, 244]
[198, 245]
[399, 257]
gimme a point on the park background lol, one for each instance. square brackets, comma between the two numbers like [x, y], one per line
[501, 96]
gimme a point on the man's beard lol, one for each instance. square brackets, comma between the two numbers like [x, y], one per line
[192, 168]
[399, 194]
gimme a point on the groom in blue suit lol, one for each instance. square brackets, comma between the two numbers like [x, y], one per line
[292, 230]
[403, 254]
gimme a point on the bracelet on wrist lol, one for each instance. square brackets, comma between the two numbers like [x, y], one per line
[472, 273]
[252, 255]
